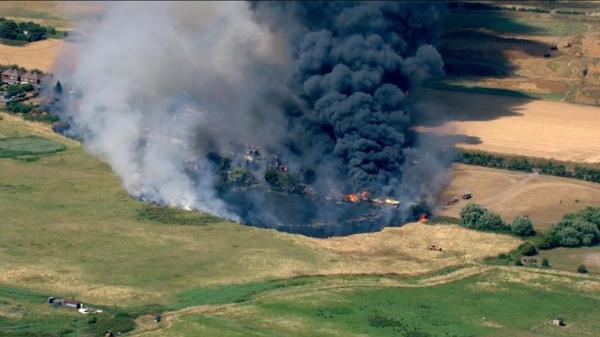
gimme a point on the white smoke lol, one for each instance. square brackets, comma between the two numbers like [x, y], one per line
[140, 79]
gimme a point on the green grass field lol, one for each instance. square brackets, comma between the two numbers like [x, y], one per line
[69, 230]
[11, 147]
[570, 258]
[495, 303]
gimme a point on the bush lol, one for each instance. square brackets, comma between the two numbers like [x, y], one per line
[491, 221]
[240, 176]
[17, 107]
[573, 232]
[582, 269]
[470, 215]
[280, 180]
[476, 217]
[528, 249]
[545, 263]
[519, 263]
[522, 225]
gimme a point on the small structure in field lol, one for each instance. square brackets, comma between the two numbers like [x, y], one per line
[558, 322]
[72, 304]
[435, 248]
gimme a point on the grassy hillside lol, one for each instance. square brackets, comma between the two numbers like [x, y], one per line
[69, 228]
[494, 303]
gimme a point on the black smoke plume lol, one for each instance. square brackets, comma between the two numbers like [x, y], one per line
[267, 113]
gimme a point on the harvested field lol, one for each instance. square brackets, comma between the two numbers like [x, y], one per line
[59, 14]
[404, 250]
[37, 55]
[545, 199]
[519, 126]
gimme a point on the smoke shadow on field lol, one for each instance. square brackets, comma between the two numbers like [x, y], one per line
[432, 108]
[483, 54]
[477, 43]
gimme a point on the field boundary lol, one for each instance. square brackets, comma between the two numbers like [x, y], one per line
[551, 167]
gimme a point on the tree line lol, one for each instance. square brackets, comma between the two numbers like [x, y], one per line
[24, 31]
[576, 229]
[519, 163]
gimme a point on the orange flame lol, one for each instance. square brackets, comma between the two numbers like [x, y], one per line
[423, 217]
[352, 197]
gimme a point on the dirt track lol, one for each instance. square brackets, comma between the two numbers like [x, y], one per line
[37, 55]
[509, 193]
[521, 126]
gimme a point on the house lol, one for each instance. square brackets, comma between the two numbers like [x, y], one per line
[11, 76]
[33, 78]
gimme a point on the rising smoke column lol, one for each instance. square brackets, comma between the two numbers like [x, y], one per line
[160, 86]
[355, 62]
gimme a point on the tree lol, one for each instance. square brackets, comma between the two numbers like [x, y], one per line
[491, 221]
[519, 263]
[522, 226]
[545, 263]
[470, 215]
[574, 232]
[283, 181]
[58, 89]
[240, 176]
[582, 269]
[528, 249]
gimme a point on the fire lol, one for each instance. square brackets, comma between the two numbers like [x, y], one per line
[356, 197]
[423, 217]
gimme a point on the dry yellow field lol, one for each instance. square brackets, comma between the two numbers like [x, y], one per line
[520, 126]
[37, 55]
[62, 15]
[404, 250]
[544, 198]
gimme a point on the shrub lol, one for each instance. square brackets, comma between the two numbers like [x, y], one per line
[582, 269]
[283, 181]
[476, 217]
[519, 263]
[545, 263]
[528, 249]
[573, 232]
[522, 225]
[491, 221]
[240, 176]
[470, 215]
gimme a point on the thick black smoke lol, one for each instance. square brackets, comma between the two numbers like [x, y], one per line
[317, 90]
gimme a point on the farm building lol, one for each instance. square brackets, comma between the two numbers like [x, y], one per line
[11, 76]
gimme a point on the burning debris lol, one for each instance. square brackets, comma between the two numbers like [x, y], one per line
[320, 90]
